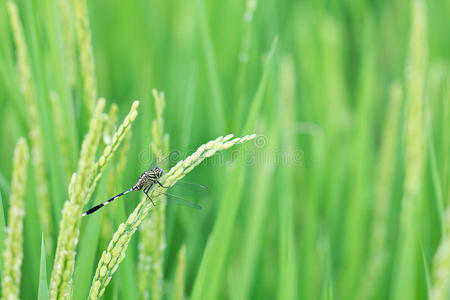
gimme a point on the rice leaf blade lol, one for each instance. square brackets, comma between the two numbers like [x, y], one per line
[43, 285]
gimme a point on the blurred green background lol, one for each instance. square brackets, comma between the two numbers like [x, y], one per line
[318, 211]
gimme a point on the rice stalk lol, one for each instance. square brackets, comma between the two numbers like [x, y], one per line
[110, 125]
[13, 252]
[115, 253]
[160, 147]
[414, 154]
[109, 150]
[158, 136]
[115, 178]
[67, 25]
[243, 60]
[360, 168]
[415, 79]
[258, 211]
[180, 274]
[108, 132]
[61, 278]
[385, 175]
[287, 287]
[153, 241]
[82, 185]
[257, 101]
[123, 154]
[86, 53]
[213, 75]
[34, 123]
[61, 133]
[441, 265]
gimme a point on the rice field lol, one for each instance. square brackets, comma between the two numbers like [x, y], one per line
[320, 129]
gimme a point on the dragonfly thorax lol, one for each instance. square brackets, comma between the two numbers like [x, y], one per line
[148, 178]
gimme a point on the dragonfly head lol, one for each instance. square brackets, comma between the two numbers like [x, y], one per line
[158, 172]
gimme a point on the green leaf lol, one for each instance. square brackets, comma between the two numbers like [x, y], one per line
[4, 184]
[85, 260]
[43, 285]
[2, 232]
[213, 75]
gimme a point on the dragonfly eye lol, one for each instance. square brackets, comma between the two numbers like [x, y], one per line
[160, 171]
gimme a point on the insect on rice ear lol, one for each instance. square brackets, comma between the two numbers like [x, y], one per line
[145, 182]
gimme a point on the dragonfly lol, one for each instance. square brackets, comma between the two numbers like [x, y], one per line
[145, 182]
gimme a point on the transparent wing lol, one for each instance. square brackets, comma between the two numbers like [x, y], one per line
[171, 158]
[191, 187]
[189, 190]
[174, 199]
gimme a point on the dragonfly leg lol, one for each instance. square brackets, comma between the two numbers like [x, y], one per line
[146, 193]
[160, 184]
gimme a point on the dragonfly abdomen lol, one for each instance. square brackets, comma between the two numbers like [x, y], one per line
[145, 181]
